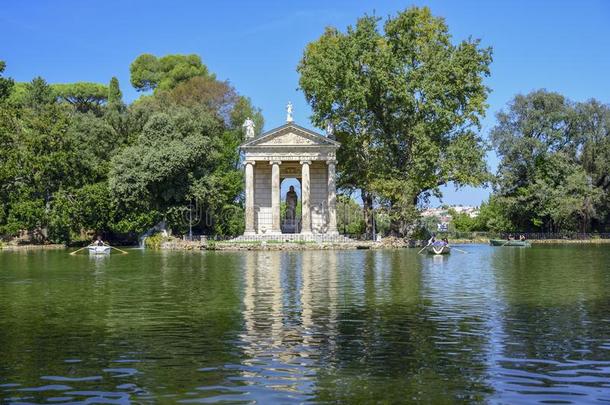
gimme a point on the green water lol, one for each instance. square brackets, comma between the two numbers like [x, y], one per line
[497, 325]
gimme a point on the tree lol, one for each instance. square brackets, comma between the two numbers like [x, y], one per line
[349, 216]
[492, 216]
[186, 152]
[115, 97]
[43, 161]
[6, 84]
[150, 73]
[84, 96]
[462, 221]
[593, 123]
[38, 94]
[405, 104]
[553, 170]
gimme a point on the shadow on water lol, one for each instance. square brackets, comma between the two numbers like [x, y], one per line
[497, 324]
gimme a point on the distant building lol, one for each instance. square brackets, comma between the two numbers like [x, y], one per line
[443, 216]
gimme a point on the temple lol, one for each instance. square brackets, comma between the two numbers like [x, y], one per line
[290, 152]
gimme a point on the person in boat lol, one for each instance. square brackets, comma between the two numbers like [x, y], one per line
[511, 237]
[522, 238]
[99, 242]
[432, 240]
[446, 241]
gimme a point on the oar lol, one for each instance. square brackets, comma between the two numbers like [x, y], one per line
[76, 251]
[459, 250]
[122, 251]
[422, 249]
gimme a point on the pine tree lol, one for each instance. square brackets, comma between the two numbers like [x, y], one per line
[115, 97]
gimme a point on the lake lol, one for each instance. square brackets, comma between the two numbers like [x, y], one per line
[495, 325]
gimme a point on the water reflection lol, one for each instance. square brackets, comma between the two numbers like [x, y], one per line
[360, 319]
[499, 325]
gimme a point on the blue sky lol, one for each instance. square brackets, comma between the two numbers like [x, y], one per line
[558, 45]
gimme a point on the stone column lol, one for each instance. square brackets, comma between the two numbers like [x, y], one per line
[275, 196]
[249, 199]
[332, 198]
[305, 197]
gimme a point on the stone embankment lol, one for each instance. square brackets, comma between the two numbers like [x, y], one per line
[240, 245]
[7, 246]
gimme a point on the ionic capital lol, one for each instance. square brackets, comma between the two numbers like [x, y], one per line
[275, 162]
[305, 162]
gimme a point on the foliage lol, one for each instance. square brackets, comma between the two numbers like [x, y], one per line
[74, 160]
[115, 96]
[38, 93]
[6, 84]
[187, 151]
[553, 173]
[154, 241]
[150, 73]
[405, 104]
[461, 221]
[84, 96]
[492, 216]
[349, 216]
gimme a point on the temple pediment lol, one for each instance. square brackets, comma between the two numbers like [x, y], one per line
[290, 135]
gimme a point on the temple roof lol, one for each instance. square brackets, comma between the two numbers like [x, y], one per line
[290, 134]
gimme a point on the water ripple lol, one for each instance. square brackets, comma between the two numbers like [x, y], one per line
[499, 326]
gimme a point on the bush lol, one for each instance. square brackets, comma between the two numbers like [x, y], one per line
[154, 241]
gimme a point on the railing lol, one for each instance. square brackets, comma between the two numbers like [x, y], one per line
[528, 235]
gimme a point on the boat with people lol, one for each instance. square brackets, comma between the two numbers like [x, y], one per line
[510, 241]
[438, 248]
[99, 247]
[99, 250]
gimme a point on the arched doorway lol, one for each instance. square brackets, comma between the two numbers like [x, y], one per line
[290, 208]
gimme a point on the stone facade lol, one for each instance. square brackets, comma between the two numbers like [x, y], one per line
[290, 151]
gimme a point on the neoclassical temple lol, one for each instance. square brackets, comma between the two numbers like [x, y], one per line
[289, 151]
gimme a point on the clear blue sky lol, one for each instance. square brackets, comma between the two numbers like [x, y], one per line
[558, 45]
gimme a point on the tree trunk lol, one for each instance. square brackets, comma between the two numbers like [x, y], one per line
[367, 211]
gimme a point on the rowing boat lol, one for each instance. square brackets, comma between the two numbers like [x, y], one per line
[503, 242]
[99, 250]
[438, 249]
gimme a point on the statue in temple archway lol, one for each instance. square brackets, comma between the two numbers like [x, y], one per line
[291, 206]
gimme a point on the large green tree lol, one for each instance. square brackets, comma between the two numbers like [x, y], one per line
[553, 173]
[187, 151]
[43, 160]
[405, 103]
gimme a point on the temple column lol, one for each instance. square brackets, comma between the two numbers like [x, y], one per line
[305, 197]
[332, 198]
[249, 199]
[275, 196]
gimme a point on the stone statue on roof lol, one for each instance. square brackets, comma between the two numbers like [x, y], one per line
[289, 112]
[330, 130]
[249, 125]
